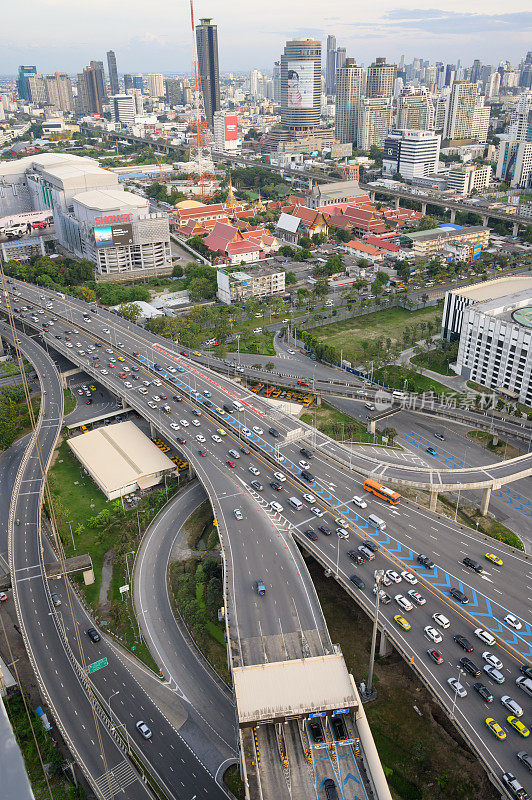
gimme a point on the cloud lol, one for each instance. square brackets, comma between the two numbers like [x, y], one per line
[433, 20]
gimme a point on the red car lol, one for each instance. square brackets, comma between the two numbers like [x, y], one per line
[230, 463]
[111, 366]
[436, 656]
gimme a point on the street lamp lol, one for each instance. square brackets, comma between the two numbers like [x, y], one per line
[118, 724]
[378, 575]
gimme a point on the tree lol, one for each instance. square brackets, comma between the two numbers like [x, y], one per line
[201, 289]
[402, 268]
[321, 287]
[305, 242]
[426, 223]
[84, 293]
[286, 251]
[130, 311]
[290, 278]
[177, 271]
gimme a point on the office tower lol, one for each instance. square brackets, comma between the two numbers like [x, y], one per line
[207, 46]
[450, 74]
[59, 92]
[99, 72]
[374, 121]
[174, 92]
[23, 90]
[301, 85]
[340, 58]
[330, 65]
[277, 82]
[37, 90]
[156, 85]
[380, 78]
[91, 89]
[128, 83]
[415, 109]
[349, 87]
[122, 108]
[515, 164]
[461, 112]
[138, 83]
[525, 76]
[520, 128]
[139, 100]
[440, 75]
[475, 70]
[412, 153]
[113, 73]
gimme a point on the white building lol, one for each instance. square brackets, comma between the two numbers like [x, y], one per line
[412, 153]
[374, 121]
[468, 178]
[415, 109]
[122, 108]
[226, 135]
[467, 117]
[156, 84]
[261, 283]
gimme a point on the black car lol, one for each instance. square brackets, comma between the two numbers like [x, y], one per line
[93, 635]
[257, 485]
[57, 336]
[306, 453]
[459, 596]
[181, 440]
[308, 476]
[245, 450]
[177, 397]
[371, 545]
[202, 453]
[357, 581]
[273, 432]
[338, 726]
[430, 450]
[484, 692]
[208, 403]
[470, 666]
[316, 730]
[463, 642]
[276, 485]
[329, 786]
[310, 534]
[355, 556]
[526, 670]
[325, 530]
[425, 561]
[472, 564]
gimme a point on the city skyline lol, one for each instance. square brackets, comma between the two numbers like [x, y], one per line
[252, 41]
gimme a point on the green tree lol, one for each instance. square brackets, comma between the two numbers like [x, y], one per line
[426, 223]
[177, 271]
[130, 311]
[321, 287]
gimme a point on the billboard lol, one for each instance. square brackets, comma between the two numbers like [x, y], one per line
[113, 235]
[300, 84]
[231, 127]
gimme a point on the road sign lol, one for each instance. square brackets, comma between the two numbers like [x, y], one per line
[124, 588]
[96, 665]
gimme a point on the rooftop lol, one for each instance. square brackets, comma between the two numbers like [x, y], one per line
[496, 289]
[444, 233]
[110, 200]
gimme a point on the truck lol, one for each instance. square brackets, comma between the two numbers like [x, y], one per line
[260, 587]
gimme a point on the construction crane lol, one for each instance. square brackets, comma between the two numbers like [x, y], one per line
[160, 168]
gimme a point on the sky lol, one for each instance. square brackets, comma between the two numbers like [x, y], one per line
[155, 36]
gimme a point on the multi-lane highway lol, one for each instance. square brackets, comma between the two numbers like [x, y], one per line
[333, 489]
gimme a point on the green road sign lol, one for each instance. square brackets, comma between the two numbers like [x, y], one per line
[97, 665]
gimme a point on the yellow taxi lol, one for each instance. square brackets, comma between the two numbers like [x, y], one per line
[494, 559]
[220, 411]
[516, 723]
[221, 431]
[92, 388]
[495, 728]
[195, 353]
[121, 358]
[402, 622]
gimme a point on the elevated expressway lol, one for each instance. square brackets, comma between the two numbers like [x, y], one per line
[328, 487]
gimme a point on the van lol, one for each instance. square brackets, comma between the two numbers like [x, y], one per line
[377, 522]
[366, 553]
[295, 503]
[275, 506]
[525, 684]
[61, 295]
[369, 406]
[238, 406]
[228, 408]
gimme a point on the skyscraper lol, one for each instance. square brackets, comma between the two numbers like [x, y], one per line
[113, 73]
[207, 45]
[122, 108]
[381, 77]
[156, 84]
[138, 83]
[330, 65]
[23, 89]
[415, 109]
[37, 89]
[277, 82]
[349, 88]
[301, 85]
[462, 115]
[59, 92]
[374, 121]
[91, 89]
[128, 83]
[340, 58]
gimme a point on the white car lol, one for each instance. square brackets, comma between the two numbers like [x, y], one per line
[342, 533]
[317, 511]
[184, 423]
[216, 438]
[258, 430]
[143, 390]
[304, 465]
[495, 674]
[106, 330]
[279, 458]
[151, 404]
[128, 385]
[279, 476]
[457, 687]
[292, 352]
[146, 383]
[246, 432]
[68, 344]
[343, 523]
[196, 423]
[485, 636]
[393, 575]
[359, 501]
[253, 470]
[402, 601]
[432, 634]
[157, 382]
[207, 393]
[156, 398]
[513, 621]
[440, 620]
[104, 372]
[143, 729]
[409, 578]
[309, 498]
[107, 349]
[416, 597]
[492, 659]
[238, 514]
[512, 705]
[175, 426]
[200, 437]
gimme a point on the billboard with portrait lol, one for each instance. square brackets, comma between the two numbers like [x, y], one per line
[113, 235]
[300, 84]
[231, 127]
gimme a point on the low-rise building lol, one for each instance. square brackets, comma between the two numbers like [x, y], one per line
[427, 244]
[361, 249]
[468, 178]
[330, 194]
[260, 283]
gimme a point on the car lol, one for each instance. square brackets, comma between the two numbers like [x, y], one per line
[513, 622]
[104, 372]
[257, 485]
[355, 556]
[245, 450]
[274, 432]
[325, 530]
[492, 659]
[485, 636]
[316, 731]
[430, 450]
[383, 596]
[484, 692]
[221, 431]
[439, 436]
[309, 498]
[196, 422]
[88, 402]
[494, 559]
[207, 393]
[200, 438]
[257, 430]
[181, 440]
[459, 596]
[457, 687]
[519, 726]
[464, 643]
[143, 729]
[513, 786]
[526, 670]
[432, 634]
[304, 464]
[343, 523]
[146, 383]
[216, 438]
[279, 476]
[435, 655]
[441, 620]
[237, 513]
[184, 423]
[3, 597]
[175, 426]
[402, 622]
[230, 463]
[409, 578]
[470, 666]
[393, 575]
[128, 384]
[253, 470]
[495, 728]
[359, 583]
[402, 601]
[310, 534]
[359, 502]
[276, 486]
[416, 597]
[493, 673]
[525, 760]
[316, 511]
[246, 432]
[512, 705]
[279, 458]
[260, 586]
[342, 533]
[425, 561]
[471, 564]
[93, 635]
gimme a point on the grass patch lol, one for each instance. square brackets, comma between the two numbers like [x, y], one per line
[234, 782]
[423, 757]
[61, 788]
[70, 401]
[396, 375]
[502, 449]
[260, 344]
[198, 524]
[14, 414]
[338, 425]
[437, 360]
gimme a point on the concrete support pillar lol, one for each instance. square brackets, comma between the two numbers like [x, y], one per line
[484, 503]
[433, 500]
[453, 215]
[385, 648]
[484, 222]
[191, 471]
[495, 440]
[397, 203]
[424, 208]
[153, 431]
[371, 426]
[1, 346]
[124, 403]
[318, 400]
[515, 229]
[372, 196]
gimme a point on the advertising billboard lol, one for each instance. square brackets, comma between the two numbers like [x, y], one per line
[113, 235]
[231, 128]
[300, 84]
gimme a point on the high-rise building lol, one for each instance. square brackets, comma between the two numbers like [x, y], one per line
[415, 109]
[277, 82]
[138, 83]
[24, 72]
[301, 85]
[113, 73]
[380, 78]
[475, 70]
[59, 91]
[349, 88]
[122, 108]
[330, 65]
[464, 113]
[412, 153]
[207, 46]
[494, 85]
[128, 83]
[156, 85]
[226, 136]
[340, 58]
[374, 121]
[450, 74]
[256, 84]
[37, 89]
[174, 91]
[91, 89]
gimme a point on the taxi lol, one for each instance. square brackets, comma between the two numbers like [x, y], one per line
[495, 728]
[402, 622]
[221, 431]
[516, 723]
[494, 559]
